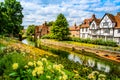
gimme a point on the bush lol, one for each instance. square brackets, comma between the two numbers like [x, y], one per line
[7, 60]
[95, 41]
[48, 36]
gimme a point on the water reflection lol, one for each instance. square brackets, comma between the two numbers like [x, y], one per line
[25, 41]
[88, 61]
[75, 58]
[85, 60]
[103, 67]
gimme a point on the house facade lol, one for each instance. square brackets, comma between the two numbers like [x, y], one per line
[74, 31]
[94, 29]
[41, 30]
[108, 28]
[84, 28]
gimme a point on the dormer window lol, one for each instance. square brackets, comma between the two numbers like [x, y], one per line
[105, 24]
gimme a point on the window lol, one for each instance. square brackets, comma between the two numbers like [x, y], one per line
[106, 31]
[83, 36]
[86, 29]
[82, 29]
[105, 24]
[118, 30]
[93, 26]
[40, 29]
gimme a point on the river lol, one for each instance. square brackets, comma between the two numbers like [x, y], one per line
[95, 63]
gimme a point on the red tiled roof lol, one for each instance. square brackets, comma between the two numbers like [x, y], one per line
[74, 28]
[117, 18]
[112, 18]
[87, 22]
[97, 21]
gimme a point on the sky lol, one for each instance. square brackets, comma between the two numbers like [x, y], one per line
[38, 11]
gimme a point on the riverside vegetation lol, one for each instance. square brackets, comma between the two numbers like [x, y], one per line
[19, 63]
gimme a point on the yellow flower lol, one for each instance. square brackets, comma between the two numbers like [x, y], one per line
[76, 76]
[75, 71]
[39, 70]
[65, 77]
[26, 66]
[39, 63]
[30, 63]
[91, 76]
[34, 63]
[34, 73]
[15, 66]
[57, 67]
[48, 77]
[44, 59]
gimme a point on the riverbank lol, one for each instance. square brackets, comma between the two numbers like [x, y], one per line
[110, 55]
[25, 58]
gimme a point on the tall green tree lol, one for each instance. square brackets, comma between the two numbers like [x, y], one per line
[11, 16]
[60, 28]
[30, 30]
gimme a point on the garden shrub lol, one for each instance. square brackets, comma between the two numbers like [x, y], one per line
[48, 36]
[7, 60]
[95, 41]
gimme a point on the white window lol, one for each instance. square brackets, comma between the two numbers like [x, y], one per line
[82, 29]
[118, 30]
[86, 29]
[93, 26]
[106, 31]
[105, 24]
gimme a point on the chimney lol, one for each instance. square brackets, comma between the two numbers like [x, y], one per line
[75, 26]
[93, 16]
[118, 13]
[45, 23]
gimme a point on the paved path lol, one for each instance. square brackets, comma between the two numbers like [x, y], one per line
[112, 55]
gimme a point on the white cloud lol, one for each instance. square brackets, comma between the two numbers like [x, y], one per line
[107, 8]
[36, 12]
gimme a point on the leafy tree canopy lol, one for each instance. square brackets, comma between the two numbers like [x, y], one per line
[60, 28]
[30, 30]
[10, 17]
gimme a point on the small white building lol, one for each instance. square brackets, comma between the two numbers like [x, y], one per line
[84, 28]
[94, 30]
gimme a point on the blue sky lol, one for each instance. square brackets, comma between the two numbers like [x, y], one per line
[38, 11]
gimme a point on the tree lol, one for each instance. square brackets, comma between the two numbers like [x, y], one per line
[11, 11]
[50, 23]
[30, 30]
[60, 28]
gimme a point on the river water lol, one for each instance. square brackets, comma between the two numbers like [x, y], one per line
[95, 63]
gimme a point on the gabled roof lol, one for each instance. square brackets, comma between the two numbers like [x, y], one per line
[40, 27]
[117, 18]
[87, 22]
[74, 28]
[97, 21]
[112, 18]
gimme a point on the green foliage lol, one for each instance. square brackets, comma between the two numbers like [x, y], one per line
[50, 23]
[48, 36]
[42, 70]
[8, 59]
[60, 28]
[30, 30]
[95, 41]
[11, 17]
